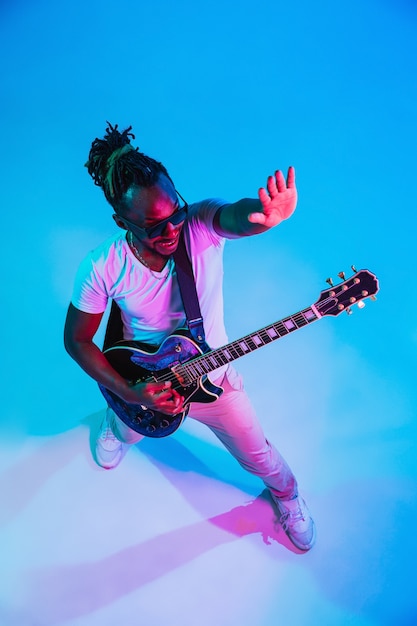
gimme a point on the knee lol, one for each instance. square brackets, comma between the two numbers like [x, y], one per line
[262, 461]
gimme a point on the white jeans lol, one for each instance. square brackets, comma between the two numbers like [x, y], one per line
[233, 420]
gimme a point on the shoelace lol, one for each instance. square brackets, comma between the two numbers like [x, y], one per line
[107, 434]
[293, 516]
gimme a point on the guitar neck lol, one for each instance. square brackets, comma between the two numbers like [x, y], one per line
[206, 363]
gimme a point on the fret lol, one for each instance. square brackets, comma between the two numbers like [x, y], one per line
[273, 334]
[196, 367]
[257, 340]
[237, 350]
[213, 361]
[250, 343]
[290, 324]
[220, 357]
[265, 337]
[300, 320]
[281, 329]
[227, 354]
[309, 315]
[234, 350]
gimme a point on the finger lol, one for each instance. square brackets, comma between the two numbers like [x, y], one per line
[291, 177]
[177, 396]
[171, 408]
[280, 181]
[178, 404]
[165, 395]
[257, 218]
[271, 186]
[157, 387]
[263, 197]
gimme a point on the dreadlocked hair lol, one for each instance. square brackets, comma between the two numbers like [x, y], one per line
[115, 165]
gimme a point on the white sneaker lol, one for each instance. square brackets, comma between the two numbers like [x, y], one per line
[109, 450]
[297, 522]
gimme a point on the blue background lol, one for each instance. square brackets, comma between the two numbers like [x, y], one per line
[223, 93]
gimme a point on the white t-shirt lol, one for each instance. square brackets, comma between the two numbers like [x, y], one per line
[152, 308]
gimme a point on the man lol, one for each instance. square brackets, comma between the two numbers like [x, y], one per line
[135, 269]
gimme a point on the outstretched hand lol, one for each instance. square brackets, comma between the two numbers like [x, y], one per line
[278, 200]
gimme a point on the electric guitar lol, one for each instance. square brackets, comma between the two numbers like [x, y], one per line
[180, 360]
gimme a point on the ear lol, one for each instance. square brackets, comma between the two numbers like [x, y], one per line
[119, 221]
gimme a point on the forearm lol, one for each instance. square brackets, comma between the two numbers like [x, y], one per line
[232, 220]
[246, 217]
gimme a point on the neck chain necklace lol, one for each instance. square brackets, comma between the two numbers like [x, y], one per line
[142, 260]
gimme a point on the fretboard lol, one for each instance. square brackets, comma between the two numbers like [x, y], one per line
[195, 368]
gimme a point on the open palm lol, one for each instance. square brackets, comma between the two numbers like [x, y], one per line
[278, 200]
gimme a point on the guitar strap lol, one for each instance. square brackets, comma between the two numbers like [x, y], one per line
[188, 292]
[114, 328]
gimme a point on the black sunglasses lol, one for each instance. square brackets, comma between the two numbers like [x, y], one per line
[157, 229]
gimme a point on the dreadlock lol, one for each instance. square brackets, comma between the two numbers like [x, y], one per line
[115, 165]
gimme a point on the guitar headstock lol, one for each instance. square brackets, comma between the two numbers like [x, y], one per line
[342, 297]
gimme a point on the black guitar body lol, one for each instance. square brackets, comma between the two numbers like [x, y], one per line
[136, 362]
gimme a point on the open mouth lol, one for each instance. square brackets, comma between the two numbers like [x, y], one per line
[169, 243]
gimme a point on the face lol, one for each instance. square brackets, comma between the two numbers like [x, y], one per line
[147, 216]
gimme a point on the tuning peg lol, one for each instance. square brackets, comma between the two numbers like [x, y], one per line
[353, 268]
[348, 310]
[361, 304]
[373, 298]
[329, 281]
[341, 275]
